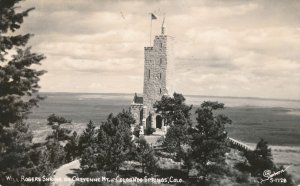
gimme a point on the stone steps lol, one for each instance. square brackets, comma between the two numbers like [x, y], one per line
[159, 132]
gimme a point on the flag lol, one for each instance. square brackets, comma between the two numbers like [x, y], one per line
[153, 16]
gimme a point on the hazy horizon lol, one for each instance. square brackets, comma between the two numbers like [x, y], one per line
[190, 95]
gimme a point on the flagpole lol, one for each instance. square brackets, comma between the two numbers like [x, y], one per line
[150, 28]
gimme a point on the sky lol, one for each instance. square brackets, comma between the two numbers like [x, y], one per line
[221, 48]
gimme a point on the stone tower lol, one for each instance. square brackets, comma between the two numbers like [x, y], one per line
[158, 74]
[155, 68]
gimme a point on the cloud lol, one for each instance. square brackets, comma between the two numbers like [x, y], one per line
[226, 48]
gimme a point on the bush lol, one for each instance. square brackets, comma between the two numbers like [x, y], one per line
[136, 131]
[149, 131]
[56, 152]
[242, 178]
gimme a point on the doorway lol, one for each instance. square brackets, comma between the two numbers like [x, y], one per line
[158, 121]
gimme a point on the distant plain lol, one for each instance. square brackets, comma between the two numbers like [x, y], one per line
[277, 121]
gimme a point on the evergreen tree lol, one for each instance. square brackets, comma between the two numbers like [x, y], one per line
[261, 160]
[111, 147]
[145, 155]
[209, 140]
[18, 95]
[114, 143]
[173, 108]
[18, 79]
[59, 133]
[53, 119]
[126, 117]
[21, 158]
[87, 138]
[177, 135]
[57, 153]
[136, 131]
[184, 154]
[176, 114]
[71, 148]
[89, 159]
[56, 141]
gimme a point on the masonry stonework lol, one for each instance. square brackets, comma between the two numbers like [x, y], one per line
[158, 74]
[155, 67]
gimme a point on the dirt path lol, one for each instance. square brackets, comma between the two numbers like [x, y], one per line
[64, 174]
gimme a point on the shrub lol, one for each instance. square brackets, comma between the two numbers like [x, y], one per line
[242, 178]
[136, 131]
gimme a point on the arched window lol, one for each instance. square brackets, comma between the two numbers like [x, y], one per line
[160, 91]
[149, 74]
[161, 45]
[159, 75]
[160, 61]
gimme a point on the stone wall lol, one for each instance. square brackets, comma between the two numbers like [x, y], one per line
[170, 83]
[155, 72]
[136, 110]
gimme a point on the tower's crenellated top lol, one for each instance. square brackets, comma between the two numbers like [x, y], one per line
[148, 48]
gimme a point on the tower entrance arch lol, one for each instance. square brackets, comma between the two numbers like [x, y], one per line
[158, 121]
